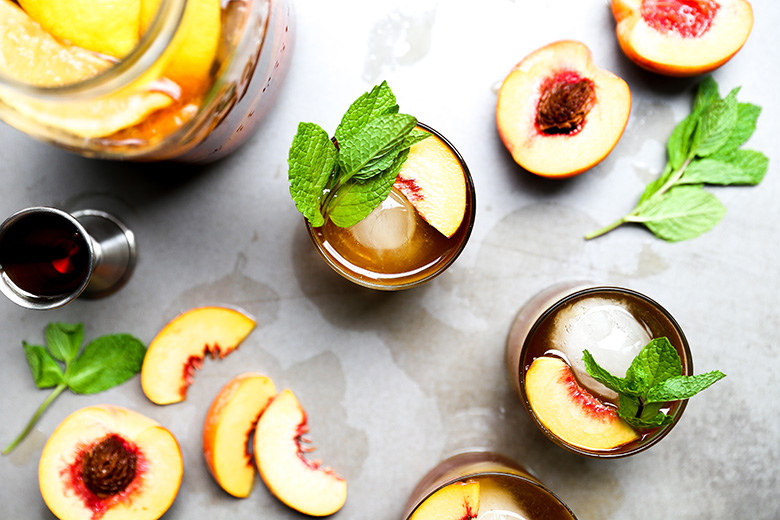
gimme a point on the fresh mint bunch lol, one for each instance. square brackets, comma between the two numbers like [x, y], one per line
[654, 379]
[704, 149]
[346, 180]
[105, 362]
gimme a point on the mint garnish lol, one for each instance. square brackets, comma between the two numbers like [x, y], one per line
[346, 181]
[105, 362]
[704, 149]
[654, 378]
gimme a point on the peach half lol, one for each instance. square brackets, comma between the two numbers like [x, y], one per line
[682, 37]
[558, 114]
[569, 411]
[179, 348]
[456, 501]
[108, 463]
[433, 181]
[230, 421]
[279, 453]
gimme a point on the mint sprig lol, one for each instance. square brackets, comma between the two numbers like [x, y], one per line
[346, 180]
[653, 379]
[105, 362]
[703, 149]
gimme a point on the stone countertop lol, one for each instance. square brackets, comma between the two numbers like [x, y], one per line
[394, 382]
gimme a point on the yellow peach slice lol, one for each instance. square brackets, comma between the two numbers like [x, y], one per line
[433, 181]
[228, 426]
[569, 411]
[179, 348]
[456, 501]
[109, 463]
[301, 484]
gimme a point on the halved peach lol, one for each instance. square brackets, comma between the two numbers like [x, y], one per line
[433, 181]
[179, 348]
[279, 453]
[229, 423]
[558, 114]
[682, 37]
[109, 463]
[456, 501]
[569, 411]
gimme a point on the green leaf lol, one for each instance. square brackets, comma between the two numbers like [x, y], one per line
[752, 164]
[705, 94]
[311, 160]
[682, 387]
[106, 362]
[383, 162]
[679, 145]
[744, 167]
[718, 121]
[650, 416]
[379, 101]
[64, 340]
[356, 199]
[375, 138]
[46, 372]
[747, 117]
[600, 374]
[685, 212]
[657, 361]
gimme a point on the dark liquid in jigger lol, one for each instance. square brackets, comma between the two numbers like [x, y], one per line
[45, 255]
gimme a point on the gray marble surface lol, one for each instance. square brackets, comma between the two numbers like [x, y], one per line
[394, 382]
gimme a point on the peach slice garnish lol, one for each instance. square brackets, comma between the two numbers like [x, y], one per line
[569, 411]
[682, 37]
[179, 348]
[301, 484]
[109, 463]
[230, 421]
[456, 501]
[558, 114]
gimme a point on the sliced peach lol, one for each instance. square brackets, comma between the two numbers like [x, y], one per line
[433, 181]
[301, 484]
[558, 114]
[228, 426]
[108, 463]
[682, 37]
[179, 348]
[569, 411]
[456, 501]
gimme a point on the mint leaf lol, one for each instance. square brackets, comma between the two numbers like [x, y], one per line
[375, 138]
[44, 369]
[641, 417]
[357, 199]
[614, 383]
[106, 362]
[679, 145]
[64, 340]
[718, 122]
[379, 101]
[705, 94]
[747, 117]
[742, 167]
[311, 160]
[685, 212]
[656, 362]
[682, 387]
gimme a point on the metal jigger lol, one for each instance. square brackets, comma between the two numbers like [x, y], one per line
[111, 254]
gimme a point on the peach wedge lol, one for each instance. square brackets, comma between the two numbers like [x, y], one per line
[108, 463]
[179, 348]
[301, 484]
[558, 114]
[456, 501]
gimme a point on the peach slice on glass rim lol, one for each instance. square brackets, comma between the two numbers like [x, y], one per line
[682, 37]
[230, 420]
[569, 411]
[456, 501]
[558, 114]
[109, 463]
[279, 453]
[179, 348]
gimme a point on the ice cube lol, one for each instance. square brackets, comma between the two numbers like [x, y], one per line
[389, 227]
[607, 330]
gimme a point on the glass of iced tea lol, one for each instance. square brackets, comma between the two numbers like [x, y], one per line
[407, 240]
[152, 80]
[483, 485]
[544, 355]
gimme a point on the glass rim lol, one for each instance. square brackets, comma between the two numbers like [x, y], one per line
[614, 453]
[468, 220]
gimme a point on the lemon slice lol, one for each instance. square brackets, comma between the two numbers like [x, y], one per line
[106, 26]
